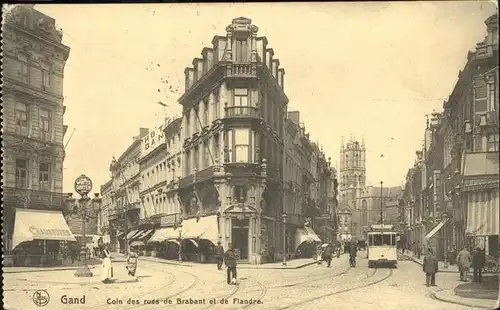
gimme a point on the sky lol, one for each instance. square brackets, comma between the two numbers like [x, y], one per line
[373, 70]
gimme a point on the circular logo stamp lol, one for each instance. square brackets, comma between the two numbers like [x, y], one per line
[41, 298]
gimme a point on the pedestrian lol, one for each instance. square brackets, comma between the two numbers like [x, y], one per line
[106, 268]
[132, 262]
[230, 260]
[418, 249]
[327, 255]
[353, 252]
[219, 253]
[463, 260]
[430, 267]
[478, 260]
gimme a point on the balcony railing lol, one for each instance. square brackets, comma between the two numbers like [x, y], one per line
[242, 112]
[242, 70]
[32, 199]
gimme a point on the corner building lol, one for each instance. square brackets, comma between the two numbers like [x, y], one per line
[234, 107]
[34, 59]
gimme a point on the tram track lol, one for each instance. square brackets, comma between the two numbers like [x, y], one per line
[184, 290]
[345, 290]
[263, 289]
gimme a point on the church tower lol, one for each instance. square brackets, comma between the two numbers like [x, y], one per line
[352, 176]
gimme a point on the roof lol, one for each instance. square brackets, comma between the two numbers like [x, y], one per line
[480, 164]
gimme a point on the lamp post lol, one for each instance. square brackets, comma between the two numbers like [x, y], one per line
[85, 209]
[284, 239]
[180, 243]
[381, 203]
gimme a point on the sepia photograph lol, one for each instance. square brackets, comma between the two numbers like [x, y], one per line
[271, 155]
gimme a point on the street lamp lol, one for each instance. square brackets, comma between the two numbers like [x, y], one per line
[180, 243]
[381, 203]
[85, 209]
[284, 239]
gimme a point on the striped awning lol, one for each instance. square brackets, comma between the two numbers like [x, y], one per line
[483, 213]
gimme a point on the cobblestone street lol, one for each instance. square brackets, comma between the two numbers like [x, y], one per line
[314, 286]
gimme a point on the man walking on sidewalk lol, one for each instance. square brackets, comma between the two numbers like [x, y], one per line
[219, 252]
[478, 259]
[230, 260]
[463, 261]
[430, 267]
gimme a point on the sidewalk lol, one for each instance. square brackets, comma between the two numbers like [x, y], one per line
[292, 264]
[483, 295]
[92, 263]
[477, 295]
[411, 256]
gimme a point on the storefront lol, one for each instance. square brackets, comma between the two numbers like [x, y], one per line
[37, 237]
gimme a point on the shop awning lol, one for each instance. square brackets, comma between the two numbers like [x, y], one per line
[163, 234]
[305, 234]
[483, 214]
[312, 234]
[32, 225]
[142, 234]
[435, 229]
[131, 234]
[206, 228]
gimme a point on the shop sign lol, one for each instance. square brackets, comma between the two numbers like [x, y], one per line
[83, 185]
[53, 232]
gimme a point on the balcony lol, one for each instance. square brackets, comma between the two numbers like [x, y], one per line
[242, 112]
[236, 70]
[32, 199]
[199, 176]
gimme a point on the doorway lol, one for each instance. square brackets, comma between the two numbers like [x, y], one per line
[239, 237]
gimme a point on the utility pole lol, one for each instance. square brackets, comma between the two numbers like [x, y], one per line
[381, 203]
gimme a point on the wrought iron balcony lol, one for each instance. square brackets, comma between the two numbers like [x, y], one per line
[242, 112]
[32, 199]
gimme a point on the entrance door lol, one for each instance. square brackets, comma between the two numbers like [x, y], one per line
[239, 236]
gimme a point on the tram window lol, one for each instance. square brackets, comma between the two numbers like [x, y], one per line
[370, 240]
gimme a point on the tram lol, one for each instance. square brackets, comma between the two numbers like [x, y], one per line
[382, 245]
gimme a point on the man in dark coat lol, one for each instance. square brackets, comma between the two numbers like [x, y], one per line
[430, 267]
[353, 252]
[230, 260]
[219, 253]
[478, 260]
[327, 255]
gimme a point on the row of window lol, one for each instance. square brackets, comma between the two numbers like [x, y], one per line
[194, 126]
[164, 171]
[23, 119]
[23, 179]
[24, 74]
[192, 156]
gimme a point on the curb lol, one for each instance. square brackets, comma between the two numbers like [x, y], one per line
[5, 270]
[436, 295]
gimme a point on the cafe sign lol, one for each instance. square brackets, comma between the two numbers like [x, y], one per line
[47, 233]
[83, 185]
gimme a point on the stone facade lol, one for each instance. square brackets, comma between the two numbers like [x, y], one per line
[33, 130]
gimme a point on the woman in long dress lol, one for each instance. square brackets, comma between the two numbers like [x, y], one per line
[132, 262]
[107, 268]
